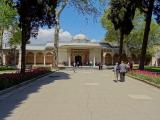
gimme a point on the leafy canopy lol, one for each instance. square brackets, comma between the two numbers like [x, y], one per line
[121, 14]
[7, 13]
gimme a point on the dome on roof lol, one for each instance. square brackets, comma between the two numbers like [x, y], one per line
[80, 37]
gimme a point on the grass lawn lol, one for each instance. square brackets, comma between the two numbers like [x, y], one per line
[150, 68]
[7, 71]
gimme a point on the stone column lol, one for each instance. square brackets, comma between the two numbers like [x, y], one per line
[4, 59]
[69, 58]
[94, 59]
[19, 59]
[104, 54]
[103, 60]
[44, 60]
[34, 59]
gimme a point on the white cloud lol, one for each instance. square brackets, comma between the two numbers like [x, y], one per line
[93, 40]
[45, 35]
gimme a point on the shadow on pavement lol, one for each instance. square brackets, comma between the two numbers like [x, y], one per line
[10, 103]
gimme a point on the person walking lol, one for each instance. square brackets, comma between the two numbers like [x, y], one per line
[116, 71]
[122, 70]
[100, 65]
[78, 63]
[74, 67]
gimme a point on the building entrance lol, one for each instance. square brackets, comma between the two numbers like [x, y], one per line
[78, 59]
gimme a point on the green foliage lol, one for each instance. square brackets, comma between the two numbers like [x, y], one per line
[149, 68]
[87, 8]
[121, 14]
[48, 67]
[135, 38]
[16, 35]
[7, 13]
[34, 14]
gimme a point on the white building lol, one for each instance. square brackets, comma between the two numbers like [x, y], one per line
[78, 49]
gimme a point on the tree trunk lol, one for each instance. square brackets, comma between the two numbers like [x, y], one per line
[1, 44]
[146, 34]
[23, 48]
[56, 43]
[127, 51]
[56, 36]
[120, 46]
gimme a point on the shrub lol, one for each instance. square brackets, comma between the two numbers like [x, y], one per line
[10, 79]
[146, 75]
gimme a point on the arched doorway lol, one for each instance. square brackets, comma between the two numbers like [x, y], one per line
[78, 59]
[134, 59]
[159, 62]
[30, 58]
[115, 58]
[108, 59]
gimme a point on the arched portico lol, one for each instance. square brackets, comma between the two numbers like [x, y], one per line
[148, 60]
[108, 59]
[124, 58]
[49, 58]
[17, 58]
[29, 58]
[134, 58]
[115, 58]
[39, 58]
[159, 62]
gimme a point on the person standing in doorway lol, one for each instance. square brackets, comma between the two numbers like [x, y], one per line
[123, 70]
[78, 63]
[74, 67]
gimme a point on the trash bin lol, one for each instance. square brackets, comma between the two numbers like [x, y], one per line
[92, 64]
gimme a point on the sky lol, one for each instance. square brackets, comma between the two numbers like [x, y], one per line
[71, 24]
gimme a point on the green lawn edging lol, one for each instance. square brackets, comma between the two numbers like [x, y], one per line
[148, 82]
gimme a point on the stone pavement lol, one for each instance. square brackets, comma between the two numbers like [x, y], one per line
[84, 95]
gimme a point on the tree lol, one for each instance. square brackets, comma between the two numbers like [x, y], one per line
[83, 7]
[15, 35]
[7, 18]
[146, 6]
[133, 41]
[121, 14]
[32, 15]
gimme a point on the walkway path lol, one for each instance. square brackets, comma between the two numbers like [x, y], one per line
[84, 95]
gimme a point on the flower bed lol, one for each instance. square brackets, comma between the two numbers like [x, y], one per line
[11, 79]
[145, 75]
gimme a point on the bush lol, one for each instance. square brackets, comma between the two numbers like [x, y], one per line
[47, 67]
[11, 79]
[146, 75]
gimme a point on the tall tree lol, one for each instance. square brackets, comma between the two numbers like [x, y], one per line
[147, 7]
[83, 7]
[7, 18]
[121, 14]
[32, 15]
[133, 41]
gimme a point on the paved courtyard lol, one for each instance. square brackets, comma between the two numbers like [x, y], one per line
[84, 95]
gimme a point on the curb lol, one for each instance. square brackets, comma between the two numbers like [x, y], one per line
[22, 84]
[145, 81]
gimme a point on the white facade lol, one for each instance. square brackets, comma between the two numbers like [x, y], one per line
[78, 49]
